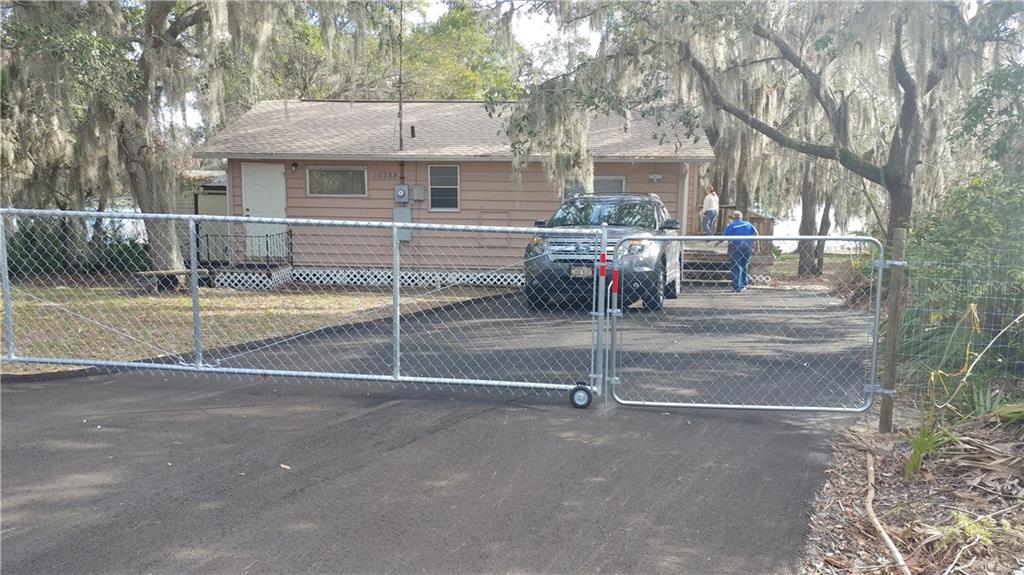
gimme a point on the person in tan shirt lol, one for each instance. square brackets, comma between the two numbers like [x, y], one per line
[709, 212]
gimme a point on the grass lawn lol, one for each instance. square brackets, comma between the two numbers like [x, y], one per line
[106, 317]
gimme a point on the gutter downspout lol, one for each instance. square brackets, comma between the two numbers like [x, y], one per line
[684, 202]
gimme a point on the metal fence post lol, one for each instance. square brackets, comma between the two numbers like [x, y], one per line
[291, 258]
[602, 311]
[193, 256]
[611, 371]
[892, 329]
[396, 304]
[8, 312]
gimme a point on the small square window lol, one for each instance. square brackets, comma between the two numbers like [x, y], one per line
[609, 185]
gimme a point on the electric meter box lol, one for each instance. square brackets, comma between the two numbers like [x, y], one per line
[401, 194]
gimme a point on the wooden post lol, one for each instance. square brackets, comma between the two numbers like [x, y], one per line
[892, 328]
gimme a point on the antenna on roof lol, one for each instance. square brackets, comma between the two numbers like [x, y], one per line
[401, 31]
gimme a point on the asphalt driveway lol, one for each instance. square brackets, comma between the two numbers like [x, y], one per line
[764, 347]
[138, 473]
[150, 473]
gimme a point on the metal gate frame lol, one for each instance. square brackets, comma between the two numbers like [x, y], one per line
[871, 387]
[577, 392]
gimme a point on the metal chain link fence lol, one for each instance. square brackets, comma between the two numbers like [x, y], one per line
[404, 304]
[492, 308]
[955, 309]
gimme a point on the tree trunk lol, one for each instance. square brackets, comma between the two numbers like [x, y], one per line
[721, 168]
[143, 171]
[823, 230]
[901, 201]
[161, 235]
[71, 235]
[742, 176]
[808, 220]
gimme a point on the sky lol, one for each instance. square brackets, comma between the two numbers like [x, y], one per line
[530, 30]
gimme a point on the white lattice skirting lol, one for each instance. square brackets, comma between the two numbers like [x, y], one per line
[263, 280]
[411, 278]
[253, 279]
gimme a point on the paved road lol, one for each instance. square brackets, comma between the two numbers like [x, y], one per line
[139, 473]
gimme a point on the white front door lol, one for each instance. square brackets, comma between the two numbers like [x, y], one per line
[263, 195]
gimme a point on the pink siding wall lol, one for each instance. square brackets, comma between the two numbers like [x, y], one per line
[486, 197]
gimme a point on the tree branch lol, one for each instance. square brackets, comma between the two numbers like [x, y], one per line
[938, 71]
[824, 98]
[721, 103]
[753, 62]
[192, 15]
[909, 118]
[899, 64]
[870, 508]
[845, 156]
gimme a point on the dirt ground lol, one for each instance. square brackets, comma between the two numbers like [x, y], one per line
[962, 512]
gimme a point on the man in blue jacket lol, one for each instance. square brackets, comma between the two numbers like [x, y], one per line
[740, 251]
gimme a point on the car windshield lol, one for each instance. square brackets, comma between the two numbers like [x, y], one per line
[584, 213]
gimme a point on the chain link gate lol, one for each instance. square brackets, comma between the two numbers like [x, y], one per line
[392, 303]
[803, 335]
[445, 305]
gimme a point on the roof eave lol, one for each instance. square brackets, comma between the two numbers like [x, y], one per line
[212, 154]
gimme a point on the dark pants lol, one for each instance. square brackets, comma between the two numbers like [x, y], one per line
[707, 221]
[739, 263]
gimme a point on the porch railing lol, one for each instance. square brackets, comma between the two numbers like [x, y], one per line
[227, 249]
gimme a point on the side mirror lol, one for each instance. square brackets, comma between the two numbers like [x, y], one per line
[540, 223]
[670, 225]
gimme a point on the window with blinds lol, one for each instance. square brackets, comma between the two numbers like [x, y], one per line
[444, 188]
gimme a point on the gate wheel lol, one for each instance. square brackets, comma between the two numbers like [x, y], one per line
[580, 396]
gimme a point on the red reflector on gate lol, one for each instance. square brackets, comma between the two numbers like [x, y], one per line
[615, 281]
[604, 258]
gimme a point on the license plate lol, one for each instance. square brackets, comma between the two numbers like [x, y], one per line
[581, 272]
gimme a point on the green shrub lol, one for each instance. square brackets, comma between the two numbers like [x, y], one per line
[966, 273]
[119, 254]
[35, 248]
[40, 247]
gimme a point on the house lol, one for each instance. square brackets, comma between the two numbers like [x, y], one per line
[343, 160]
[206, 194]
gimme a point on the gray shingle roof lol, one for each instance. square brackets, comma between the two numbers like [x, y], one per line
[444, 130]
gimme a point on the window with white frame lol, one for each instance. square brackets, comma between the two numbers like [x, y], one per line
[609, 185]
[335, 181]
[444, 187]
[603, 186]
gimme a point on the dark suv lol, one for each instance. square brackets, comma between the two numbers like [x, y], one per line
[563, 265]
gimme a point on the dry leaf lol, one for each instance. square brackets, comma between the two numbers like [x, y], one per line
[837, 562]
